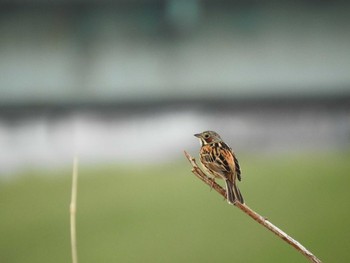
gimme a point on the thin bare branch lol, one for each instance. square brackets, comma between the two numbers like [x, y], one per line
[73, 209]
[258, 218]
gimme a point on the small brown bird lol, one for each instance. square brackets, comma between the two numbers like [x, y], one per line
[219, 161]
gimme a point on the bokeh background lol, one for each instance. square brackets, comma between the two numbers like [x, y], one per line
[124, 85]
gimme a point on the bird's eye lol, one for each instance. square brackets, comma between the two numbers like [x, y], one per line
[206, 136]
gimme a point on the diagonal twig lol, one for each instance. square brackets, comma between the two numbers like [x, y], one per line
[258, 218]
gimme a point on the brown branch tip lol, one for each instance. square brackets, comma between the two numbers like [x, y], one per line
[258, 218]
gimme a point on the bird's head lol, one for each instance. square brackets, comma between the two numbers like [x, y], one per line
[208, 137]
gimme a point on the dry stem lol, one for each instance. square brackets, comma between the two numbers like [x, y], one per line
[261, 220]
[73, 211]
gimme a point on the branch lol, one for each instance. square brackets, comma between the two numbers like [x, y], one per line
[73, 211]
[258, 218]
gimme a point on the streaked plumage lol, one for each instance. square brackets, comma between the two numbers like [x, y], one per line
[219, 161]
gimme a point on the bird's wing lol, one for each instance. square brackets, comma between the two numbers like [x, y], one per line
[230, 156]
[238, 169]
[219, 158]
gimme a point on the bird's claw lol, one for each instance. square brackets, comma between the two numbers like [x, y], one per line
[212, 184]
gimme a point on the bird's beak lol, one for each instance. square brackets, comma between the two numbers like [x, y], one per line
[198, 135]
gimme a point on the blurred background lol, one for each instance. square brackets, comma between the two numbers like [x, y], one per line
[124, 85]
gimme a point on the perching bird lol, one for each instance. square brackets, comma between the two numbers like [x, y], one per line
[219, 161]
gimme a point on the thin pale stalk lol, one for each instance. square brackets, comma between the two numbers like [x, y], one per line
[73, 210]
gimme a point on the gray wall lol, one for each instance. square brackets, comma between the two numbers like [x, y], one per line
[172, 49]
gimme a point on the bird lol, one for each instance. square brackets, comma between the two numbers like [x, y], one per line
[219, 161]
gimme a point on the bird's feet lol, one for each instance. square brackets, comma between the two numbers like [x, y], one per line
[212, 182]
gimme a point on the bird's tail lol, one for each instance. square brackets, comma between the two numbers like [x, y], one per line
[233, 193]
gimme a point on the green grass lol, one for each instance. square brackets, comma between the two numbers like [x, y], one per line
[164, 214]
